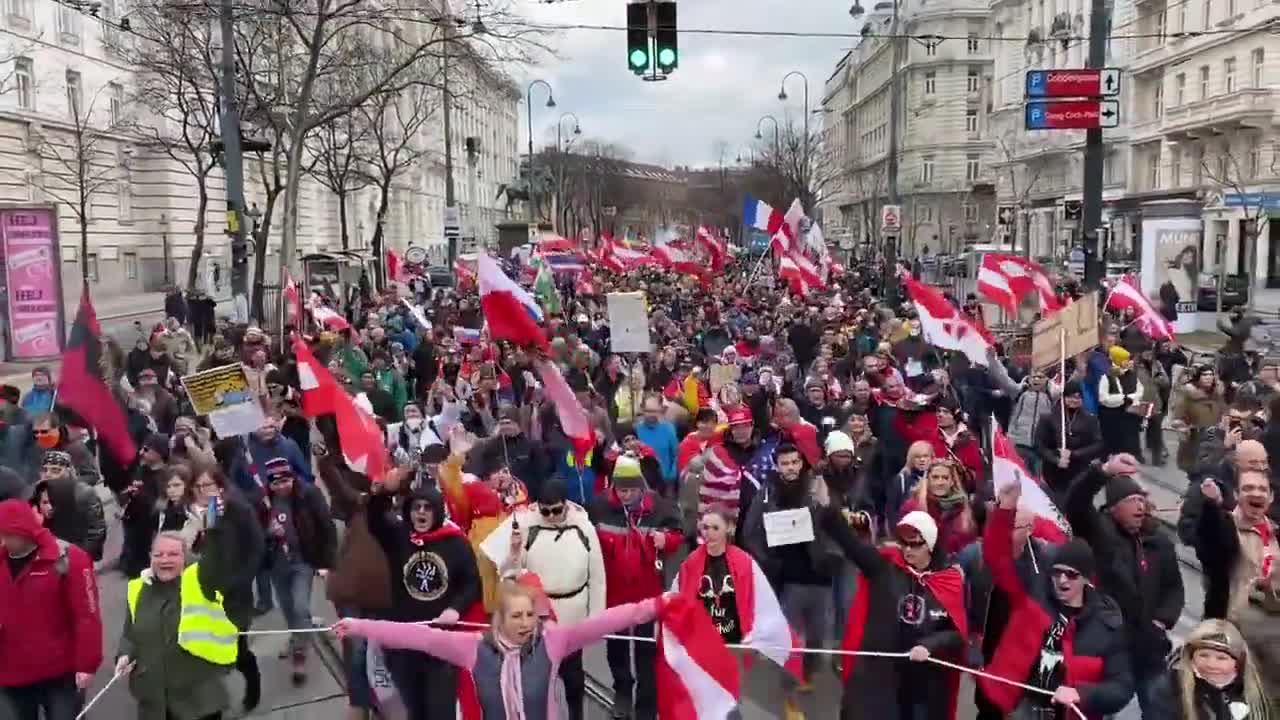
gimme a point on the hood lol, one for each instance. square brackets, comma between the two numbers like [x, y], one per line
[433, 498]
[17, 519]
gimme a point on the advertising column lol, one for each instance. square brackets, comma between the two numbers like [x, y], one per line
[33, 283]
[1171, 264]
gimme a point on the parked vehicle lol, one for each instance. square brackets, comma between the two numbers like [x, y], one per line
[1235, 291]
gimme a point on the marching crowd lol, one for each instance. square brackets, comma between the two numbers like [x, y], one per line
[491, 547]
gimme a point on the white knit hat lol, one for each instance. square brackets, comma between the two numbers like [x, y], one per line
[923, 524]
[838, 441]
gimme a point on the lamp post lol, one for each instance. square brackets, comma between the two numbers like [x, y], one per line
[577, 130]
[164, 245]
[776, 142]
[782, 95]
[577, 127]
[528, 106]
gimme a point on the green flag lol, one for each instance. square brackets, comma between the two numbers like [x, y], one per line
[544, 288]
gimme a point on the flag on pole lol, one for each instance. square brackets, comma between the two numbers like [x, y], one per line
[362, 439]
[544, 289]
[761, 216]
[573, 418]
[697, 676]
[511, 312]
[1007, 468]
[328, 318]
[82, 390]
[1006, 279]
[1126, 295]
[943, 325]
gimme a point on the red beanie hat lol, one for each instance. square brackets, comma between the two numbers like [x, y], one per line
[17, 518]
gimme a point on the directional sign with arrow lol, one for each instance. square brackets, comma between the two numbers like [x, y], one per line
[1085, 82]
[1072, 114]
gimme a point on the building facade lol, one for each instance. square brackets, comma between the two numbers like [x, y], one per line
[945, 159]
[63, 81]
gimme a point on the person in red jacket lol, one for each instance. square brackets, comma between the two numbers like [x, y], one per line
[637, 528]
[705, 435]
[50, 620]
[954, 441]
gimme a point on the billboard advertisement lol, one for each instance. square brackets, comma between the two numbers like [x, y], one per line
[1171, 264]
[32, 282]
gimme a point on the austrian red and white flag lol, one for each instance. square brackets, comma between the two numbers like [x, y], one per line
[678, 259]
[362, 439]
[1126, 295]
[714, 246]
[573, 417]
[1006, 279]
[1007, 468]
[293, 301]
[513, 315]
[697, 676]
[943, 325]
[800, 272]
[787, 237]
[328, 318]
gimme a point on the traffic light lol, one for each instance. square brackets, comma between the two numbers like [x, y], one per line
[638, 60]
[668, 53]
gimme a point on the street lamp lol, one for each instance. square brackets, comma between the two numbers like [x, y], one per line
[164, 245]
[856, 10]
[551, 102]
[782, 95]
[577, 127]
[776, 143]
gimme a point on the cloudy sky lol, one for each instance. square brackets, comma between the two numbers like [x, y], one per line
[723, 86]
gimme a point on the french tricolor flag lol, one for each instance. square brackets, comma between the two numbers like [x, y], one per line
[512, 313]
[761, 216]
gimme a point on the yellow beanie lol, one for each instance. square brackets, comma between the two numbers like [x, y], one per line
[1119, 356]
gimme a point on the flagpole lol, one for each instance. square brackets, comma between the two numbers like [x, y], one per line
[1062, 373]
[752, 277]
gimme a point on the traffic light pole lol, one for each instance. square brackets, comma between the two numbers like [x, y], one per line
[1091, 220]
[233, 167]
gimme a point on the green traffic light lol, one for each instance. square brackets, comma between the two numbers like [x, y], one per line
[639, 59]
[666, 57]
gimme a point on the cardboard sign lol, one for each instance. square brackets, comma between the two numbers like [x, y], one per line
[788, 527]
[224, 396]
[629, 323]
[1080, 322]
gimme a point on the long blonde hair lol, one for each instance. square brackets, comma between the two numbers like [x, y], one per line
[918, 447]
[1211, 633]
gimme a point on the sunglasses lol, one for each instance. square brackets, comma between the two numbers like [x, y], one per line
[280, 478]
[913, 544]
[553, 510]
[1067, 573]
[39, 432]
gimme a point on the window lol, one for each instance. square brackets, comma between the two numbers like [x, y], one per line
[970, 212]
[35, 185]
[971, 120]
[1158, 100]
[91, 266]
[931, 49]
[75, 94]
[975, 79]
[1153, 169]
[131, 265]
[1206, 14]
[926, 170]
[24, 83]
[1197, 166]
[1204, 81]
[116, 93]
[1231, 9]
[930, 82]
[1175, 167]
[1229, 74]
[925, 213]
[1182, 17]
[20, 10]
[1255, 158]
[972, 167]
[1224, 164]
[1257, 59]
[974, 44]
[1180, 89]
[124, 198]
[1161, 22]
[68, 21]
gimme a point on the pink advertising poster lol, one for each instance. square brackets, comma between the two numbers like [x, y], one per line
[33, 283]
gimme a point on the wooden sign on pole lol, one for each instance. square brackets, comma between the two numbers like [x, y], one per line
[1066, 333]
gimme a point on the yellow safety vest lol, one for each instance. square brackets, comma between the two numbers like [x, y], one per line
[203, 627]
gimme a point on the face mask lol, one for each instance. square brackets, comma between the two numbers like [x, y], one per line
[413, 423]
[48, 440]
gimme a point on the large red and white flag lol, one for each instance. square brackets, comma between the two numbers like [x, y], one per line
[697, 676]
[362, 439]
[1007, 468]
[293, 302]
[513, 315]
[675, 258]
[943, 325]
[787, 237]
[1126, 295]
[800, 272]
[573, 418]
[714, 247]
[1006, 279]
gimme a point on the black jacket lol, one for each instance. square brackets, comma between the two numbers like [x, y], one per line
[875, 690]
[317, 536]
[1211, 703]
[527, 460]
[77, 516]
[1140, 573]
[1084, 440]
[232, 550]
[814, 562]
[1193, 501]
[428, 574]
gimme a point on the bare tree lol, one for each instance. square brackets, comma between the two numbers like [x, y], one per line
[82, 162]
[872, 187]
[395, 122]
[340, 152]
[1230, 176]
[1020, 188]
[799, 163]
[176, 83]
[384, 44]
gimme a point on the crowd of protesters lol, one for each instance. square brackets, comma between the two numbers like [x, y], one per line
[754, 401]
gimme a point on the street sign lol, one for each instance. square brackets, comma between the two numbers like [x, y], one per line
[609, 210]
[891, 218]
[1072, 114]
[1075, 262]
[1085, 82]
[1006, 214]
[1072, 210]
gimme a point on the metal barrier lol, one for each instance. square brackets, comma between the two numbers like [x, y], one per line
[270, 322]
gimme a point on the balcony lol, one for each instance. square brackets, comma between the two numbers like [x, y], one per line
[1245, 109]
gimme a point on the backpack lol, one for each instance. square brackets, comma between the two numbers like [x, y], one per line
[533, 535]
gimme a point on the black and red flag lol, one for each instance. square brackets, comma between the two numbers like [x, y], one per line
[82, 390]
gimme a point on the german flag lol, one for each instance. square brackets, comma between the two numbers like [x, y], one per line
[82, 390]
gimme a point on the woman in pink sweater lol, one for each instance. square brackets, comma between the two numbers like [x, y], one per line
[515, 662]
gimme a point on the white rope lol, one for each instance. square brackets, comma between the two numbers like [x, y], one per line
[739, 646]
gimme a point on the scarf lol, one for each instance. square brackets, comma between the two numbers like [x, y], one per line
[950, 502]
[509, 677]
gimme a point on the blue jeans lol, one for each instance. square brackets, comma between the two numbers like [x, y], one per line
[292, 582]
[359, 694]
[262, 586]
[844, 587]
[1147, 684]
